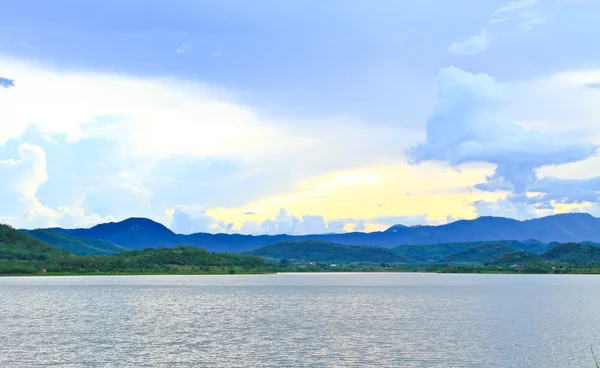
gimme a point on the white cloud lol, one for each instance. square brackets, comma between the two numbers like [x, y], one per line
[161, 118]
[466, 126]
[505, 208]
[359, 226]
[518, 5]
[532, 19]
[285, 223]
[174, 144]
[498, 20]
[21, 180]
[145, 115]
[22, 177]
[187, 220]
[127, 134]
[27, 45]
[529, 14]
[475, 44]
[183, 48]
[562, 102]
[408, 220]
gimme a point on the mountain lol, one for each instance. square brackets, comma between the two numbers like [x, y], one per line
[14, 245]
[318, 251]
[561, 228]
[130, 233]
[74, 244]
[436, 252]
[521, 257]
[20, 253]
[573, 253]
[137, 233]
[568, 253]
[479, 255]
[431, 252]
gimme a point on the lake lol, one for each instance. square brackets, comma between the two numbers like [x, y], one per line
[300, 320]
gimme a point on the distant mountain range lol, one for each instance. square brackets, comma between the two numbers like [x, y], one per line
[75, 244]
[318, 251]
[500, 253]
[21, 253]
[138, 233]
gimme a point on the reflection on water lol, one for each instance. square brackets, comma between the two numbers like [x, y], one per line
[300, 320]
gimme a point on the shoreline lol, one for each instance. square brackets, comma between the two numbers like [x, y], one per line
[482, 272]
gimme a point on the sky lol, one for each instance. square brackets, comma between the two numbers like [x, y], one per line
[304, 117]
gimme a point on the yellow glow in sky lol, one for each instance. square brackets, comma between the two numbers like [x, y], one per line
[396, 190]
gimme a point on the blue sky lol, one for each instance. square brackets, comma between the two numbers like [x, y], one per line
[312, 116]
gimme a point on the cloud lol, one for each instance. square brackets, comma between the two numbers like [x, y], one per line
[183, 48]
[27, 45]
[22, 177]
[6, 83]
[187, 220]
[593, 85]
[359, 226]
[408, 220]
[532, 19]
[285, 223]
[466, 126]
[518, 5]
[505, 208]
[158, 143]
[498, 20]
[528, 13]
[119, 197]
[567, 190]
[21, 181]
[475, 44]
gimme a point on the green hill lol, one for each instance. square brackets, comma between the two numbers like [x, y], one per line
[15, 245]
[521, 258]
[21, 253]
[74, 244]
[318, 251]
[479, 255]
[431, 252]
[437, 252]
[24, 254]
[573, 253]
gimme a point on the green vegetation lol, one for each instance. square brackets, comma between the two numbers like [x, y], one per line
[318, 251]
[478, 255]
[518, 258]
[189, 260]
[15, 245]
[75, 244]
[547, 268]
[574, 253]
[437, 252]
[472, 257]
[430, 252]
[23, 254]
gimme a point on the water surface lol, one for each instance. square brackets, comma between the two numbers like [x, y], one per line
[300, 320]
